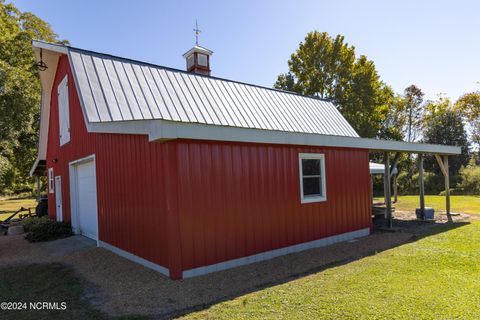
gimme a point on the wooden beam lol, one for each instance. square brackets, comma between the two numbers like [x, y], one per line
[421, 185]
[441, 165]
[386, 185]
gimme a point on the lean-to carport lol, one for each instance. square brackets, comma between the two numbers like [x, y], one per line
[441, 153]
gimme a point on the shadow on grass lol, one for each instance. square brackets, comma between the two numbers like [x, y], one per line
[26, 289]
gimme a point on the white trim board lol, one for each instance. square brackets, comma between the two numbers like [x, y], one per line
[134, 258]
[275, 253]
[168, 130]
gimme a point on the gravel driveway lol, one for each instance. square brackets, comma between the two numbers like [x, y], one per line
[121, 287]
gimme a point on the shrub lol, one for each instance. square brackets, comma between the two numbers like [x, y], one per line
[45, 229]
[470, 179]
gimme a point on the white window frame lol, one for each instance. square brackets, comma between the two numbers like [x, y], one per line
[313, 198]
[63, 112]
[51, 181]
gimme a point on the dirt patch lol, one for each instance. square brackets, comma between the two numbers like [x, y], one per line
[120, 287]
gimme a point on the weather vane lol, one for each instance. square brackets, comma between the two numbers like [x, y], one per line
[197, 32]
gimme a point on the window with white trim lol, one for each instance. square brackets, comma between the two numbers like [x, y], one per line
[51, 181]
[312, 177]
[63, 112]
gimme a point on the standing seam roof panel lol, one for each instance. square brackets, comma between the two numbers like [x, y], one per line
[225, 97]
[222, 116]
[157, 96]
[266, 111]
[202, 103]
[107, 89]
[117, 89]
[192, 104]
[248, 116]
[271, 110]
[127, 90]
[169, 104]
[138, 92]
[319, 126]
[84, 89]
[103, 111]
[301, 112]
[147, 93]
[243, 99]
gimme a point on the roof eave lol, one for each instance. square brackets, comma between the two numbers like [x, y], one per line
[161, 130]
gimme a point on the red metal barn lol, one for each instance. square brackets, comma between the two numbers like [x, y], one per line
[188, 174]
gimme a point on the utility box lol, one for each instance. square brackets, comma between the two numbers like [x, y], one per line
[428, 213]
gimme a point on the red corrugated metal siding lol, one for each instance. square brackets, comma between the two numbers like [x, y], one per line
[130, 179]
[241, 199]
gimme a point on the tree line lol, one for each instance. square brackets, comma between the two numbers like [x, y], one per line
[328, 67]
[19, 95]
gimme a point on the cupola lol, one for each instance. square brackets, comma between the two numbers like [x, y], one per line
[198, 60]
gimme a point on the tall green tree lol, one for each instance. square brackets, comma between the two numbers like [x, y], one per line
[413, 97]
[19, 94]
[469, 106]
[328, 67]
[444, 125]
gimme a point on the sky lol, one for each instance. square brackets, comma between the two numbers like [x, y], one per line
[433, 44]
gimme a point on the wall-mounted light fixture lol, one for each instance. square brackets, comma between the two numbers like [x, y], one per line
[41, 65]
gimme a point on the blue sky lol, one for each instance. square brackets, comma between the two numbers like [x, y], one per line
[433, 44]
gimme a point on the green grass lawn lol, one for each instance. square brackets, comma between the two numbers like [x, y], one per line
[8, 206]
[466, 204]
[46, 283]
[437, 277]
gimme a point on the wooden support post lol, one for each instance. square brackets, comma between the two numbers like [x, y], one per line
[443, 164]
[447, 184]
[393, 167]
[386, 185]
[421, 185]
[395, 189]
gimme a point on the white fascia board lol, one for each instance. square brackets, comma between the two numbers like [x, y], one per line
[58, 48]
[198, 49]
[168, 130]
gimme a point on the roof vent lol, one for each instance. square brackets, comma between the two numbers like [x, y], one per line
[198, 60]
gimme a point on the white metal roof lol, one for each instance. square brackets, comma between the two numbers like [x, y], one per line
[116, 89]
[379, 168]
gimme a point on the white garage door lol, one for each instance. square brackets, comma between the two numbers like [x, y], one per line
[87, 200]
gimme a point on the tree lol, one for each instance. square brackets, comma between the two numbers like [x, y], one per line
[469, 106]
[445, 126]
[19, 94]
[413, 105]
[327, 67]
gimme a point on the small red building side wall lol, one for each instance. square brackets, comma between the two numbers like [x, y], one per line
[238, 199]
[131, 179]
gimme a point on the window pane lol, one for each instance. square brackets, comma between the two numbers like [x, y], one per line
[310, 167]
[202, 59]
[312, 186]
